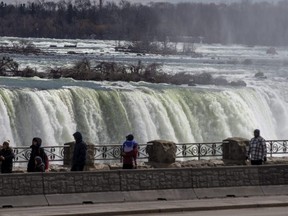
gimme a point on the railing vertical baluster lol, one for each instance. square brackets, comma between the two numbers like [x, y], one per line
[271, 148]
[199, 146]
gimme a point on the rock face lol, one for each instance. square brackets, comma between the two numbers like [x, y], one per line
[238, 83]
[260, 75]
[235, 149]
[161, 151]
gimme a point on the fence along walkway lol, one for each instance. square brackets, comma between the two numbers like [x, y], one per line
[110, 152]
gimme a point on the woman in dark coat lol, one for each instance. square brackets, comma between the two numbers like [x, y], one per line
[79, 153]
[36, 150]
[6, 156]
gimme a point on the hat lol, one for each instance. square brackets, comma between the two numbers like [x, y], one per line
[130, 137]
[6, 142]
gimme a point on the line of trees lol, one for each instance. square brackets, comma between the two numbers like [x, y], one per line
[245, 23]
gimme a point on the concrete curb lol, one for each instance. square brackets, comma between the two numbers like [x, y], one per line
[180, 209]
[167, 207]
[147, 202]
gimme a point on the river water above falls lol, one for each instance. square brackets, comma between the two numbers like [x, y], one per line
[106, 111]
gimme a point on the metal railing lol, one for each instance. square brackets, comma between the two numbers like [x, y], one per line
[111, 152]
[277, 147]
[54, 153]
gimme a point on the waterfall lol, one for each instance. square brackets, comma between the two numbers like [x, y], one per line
[107, 115]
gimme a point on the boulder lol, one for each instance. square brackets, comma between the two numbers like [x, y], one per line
[234, 149]
[161, 151]
[238, 83]
[260, 75]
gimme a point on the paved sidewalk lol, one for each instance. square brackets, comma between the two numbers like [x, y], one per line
[132, 208]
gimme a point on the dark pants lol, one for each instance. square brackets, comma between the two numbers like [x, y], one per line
[77, 167]
[6, 169]
[256, 162]
[127, 166]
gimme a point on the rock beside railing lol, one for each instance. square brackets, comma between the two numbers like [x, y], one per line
[161, 151]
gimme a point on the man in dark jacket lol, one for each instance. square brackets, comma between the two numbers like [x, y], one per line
[6, 156]
[79, 154]
[257, 150]
[36, 150]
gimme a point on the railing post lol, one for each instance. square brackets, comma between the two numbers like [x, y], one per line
[199, 151]
[271, 148]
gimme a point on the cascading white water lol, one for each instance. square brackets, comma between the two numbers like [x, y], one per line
[180, 114]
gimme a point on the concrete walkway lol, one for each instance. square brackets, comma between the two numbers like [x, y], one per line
[161, 206]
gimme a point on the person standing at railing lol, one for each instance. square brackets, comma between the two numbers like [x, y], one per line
[79, 153]
[6, 156]
[257, 150]
[37, 150]
[129, 153]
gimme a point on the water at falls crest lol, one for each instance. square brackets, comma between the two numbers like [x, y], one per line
[106, 115]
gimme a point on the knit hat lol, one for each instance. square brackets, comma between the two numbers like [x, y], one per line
[7, 142]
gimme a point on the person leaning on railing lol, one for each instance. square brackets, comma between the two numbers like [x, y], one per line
[257, 150]
[36, 150]
[6, 156]
[129, 152]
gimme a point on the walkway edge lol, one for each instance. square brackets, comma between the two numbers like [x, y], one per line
[172, 210]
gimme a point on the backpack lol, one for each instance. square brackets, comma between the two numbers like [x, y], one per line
[44, 158]
[46, 161]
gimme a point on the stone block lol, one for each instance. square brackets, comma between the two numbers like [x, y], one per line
[161, 151]
[235, 149]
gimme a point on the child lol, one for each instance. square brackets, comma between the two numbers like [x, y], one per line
[39, 165]
[129, 152]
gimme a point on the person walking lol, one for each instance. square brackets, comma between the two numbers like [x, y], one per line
[36, 150]
[129, 153]
[257, 150]
[79, 153]
[6, 156]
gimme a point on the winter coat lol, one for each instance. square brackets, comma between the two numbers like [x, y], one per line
[36, 150]
[129, 152]
[7, 164]
[80, 151]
